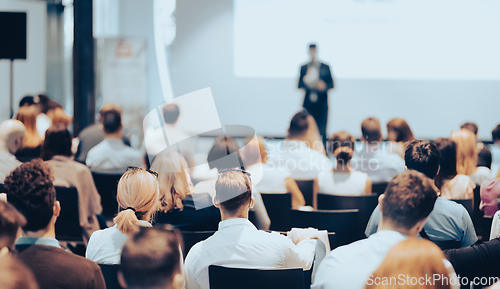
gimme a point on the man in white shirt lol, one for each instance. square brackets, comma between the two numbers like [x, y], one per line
[295, 156]
[11, 140]
[405, 206]
[112, 156]
[238, 243]
[380, 166]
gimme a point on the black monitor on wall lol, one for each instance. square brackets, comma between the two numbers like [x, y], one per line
[12, 35]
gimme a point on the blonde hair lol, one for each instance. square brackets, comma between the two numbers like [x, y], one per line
[254, 151]
[27, 115]
[59, 116]
[466, 151]
[172, 171]
[414, 258]
[137, 196]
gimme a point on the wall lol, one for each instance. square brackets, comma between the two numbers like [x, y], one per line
[201, 56]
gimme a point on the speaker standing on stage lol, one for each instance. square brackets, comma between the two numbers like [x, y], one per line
[316, 79]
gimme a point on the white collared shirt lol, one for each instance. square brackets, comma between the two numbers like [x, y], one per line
[112, 156]
[105, 246]
[302, 162]
[380, 166]
[239, 244]
[8, 163]
[350, 266]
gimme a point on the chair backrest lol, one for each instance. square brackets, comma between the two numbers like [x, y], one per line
[190, 238]
[365, 204]
[106, 186]
[223, 278]
[68, 223]
[278, 209]
[344, 223]
[307, 188]
[2, 188]
[477, 214]
[110, 274]
[487, 221]
[379, 188]
[467, 203]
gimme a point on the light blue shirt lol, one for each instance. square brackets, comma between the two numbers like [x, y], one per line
[112, 156]
[350, 266]
[495, 159]
[38, 241]
[448, 221]
[380, 166]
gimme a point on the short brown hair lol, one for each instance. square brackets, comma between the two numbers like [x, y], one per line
[409, 198]
[233, 190]
[10, 222]
[371, 130]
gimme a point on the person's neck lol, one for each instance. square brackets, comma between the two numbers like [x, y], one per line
[497, 142]
[4, 148]
[117, 135]
[341, 168]
[388, 225]
[239, 215]
[48, 232]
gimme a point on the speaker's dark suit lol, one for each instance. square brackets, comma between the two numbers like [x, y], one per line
[318, 109]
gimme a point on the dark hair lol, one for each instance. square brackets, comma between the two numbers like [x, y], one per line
[150, 258]
[422, 156]
[409, 198]
[14, 274]
[345, 140]
[312, 46]
[470, 126]
[57, 142]
[401, 128]
[484, 158]
[111, 120]
[495, 133]
[223, 147]
[171, 113]
[299, 124]
[30, 190]
[27, 100]
[233, 189]
[371, 130]
[448, 160]
[10, 222]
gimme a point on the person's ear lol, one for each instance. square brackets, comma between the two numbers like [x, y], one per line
[252, 203]
[101, 126]
[380, 201]
[419, 226]
[57, 209]
[215, 202]
[178, 281]
[121, 279]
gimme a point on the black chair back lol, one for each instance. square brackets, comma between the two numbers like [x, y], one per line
[68, 223]
[190, 238]
[110, 274]
[344, 223]
[278, 208]
[365, 204]
[379, 188]
[2, 188]
[307, 189]
[106, 186]
[223, 278]
[467, 203]
[477, 214]
[486, 225]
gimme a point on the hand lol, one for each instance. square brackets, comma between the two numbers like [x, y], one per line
[302, 238]
[321, 85]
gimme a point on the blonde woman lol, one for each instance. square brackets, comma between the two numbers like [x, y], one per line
[467, 156]
[137, 195]
[32, 140]
[178, 205]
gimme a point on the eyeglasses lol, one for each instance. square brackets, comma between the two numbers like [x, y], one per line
[235, 170]
[131, 168]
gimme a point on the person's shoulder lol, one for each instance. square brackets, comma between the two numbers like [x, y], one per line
[448, 208]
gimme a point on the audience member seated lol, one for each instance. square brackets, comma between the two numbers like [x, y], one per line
[484, 155]
[406, 204]
[467, 156]
[495, 150]
[225, 154]
[30, 189]
[449, 222]
[112, 156]
[56, 150]
[265, 177]
[11, 222]
[398, 133]
[92, 135]
[11, 140]
[59, 116]
[15, 275]
[296, 156]
[151, 259]
[380, 166]
[137, 196]
[415, 260]
[238, 243]
[32, 145]
[42, 105]
[343, 180]
[452, 185]
[178, 206]
[490, 194]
